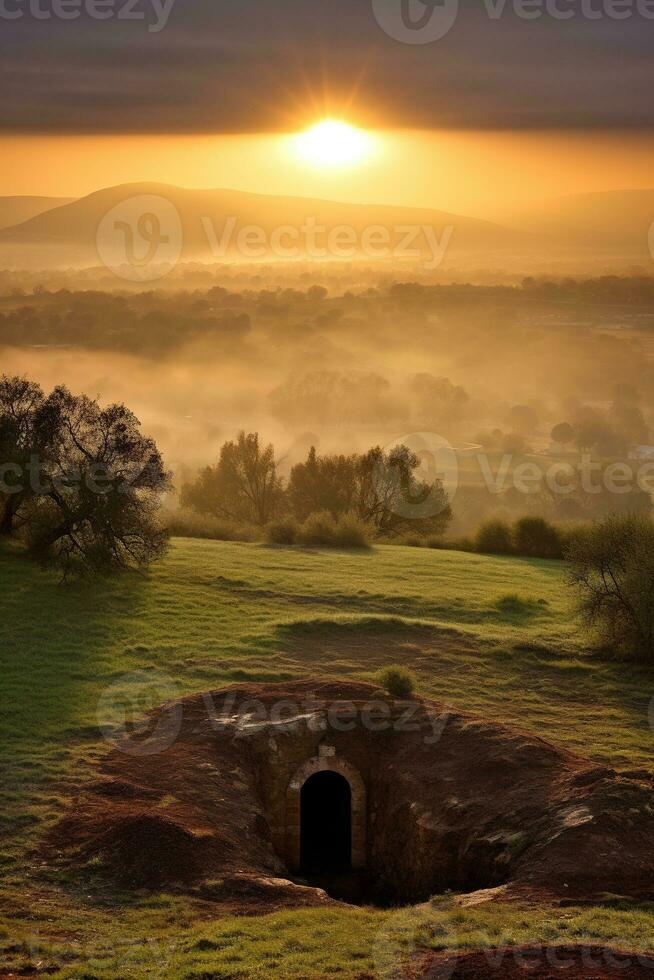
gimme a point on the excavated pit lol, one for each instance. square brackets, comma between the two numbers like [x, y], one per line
[270, 796]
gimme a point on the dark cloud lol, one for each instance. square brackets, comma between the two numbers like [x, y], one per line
[257, 65]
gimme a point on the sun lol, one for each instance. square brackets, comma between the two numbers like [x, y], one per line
[332, 143]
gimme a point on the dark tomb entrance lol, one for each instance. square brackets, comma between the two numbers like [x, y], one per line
[326, 824]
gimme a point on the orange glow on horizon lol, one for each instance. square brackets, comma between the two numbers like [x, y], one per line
[477, 174]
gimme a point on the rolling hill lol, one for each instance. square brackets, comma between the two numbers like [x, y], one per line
[16, 210]
[213, 225]
[69, 232]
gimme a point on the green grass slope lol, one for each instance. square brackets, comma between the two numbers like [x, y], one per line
[493, 635]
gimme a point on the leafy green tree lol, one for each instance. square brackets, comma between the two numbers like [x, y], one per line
[22, 441]
[380, 488]
[494, 537]
[534, 537]
[323, 483]
[612, 573]
[100, 486]
[86, 485]
[243, 486]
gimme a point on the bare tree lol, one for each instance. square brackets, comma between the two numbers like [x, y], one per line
[391, 498]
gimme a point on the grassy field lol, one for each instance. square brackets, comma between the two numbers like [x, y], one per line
[493, 635]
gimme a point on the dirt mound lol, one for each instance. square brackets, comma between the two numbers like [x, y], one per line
[536, 963]
[148, 851]
[442, 800]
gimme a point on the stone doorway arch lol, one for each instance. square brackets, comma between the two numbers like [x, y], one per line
[326, 763]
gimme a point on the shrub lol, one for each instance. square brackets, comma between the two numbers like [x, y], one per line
[398, 681]
[318, 530]
[351, 532]
[513, 604]
[284, 531]
[186, 524]
[494, 538]
[535, 537]
[612, 572]
[322, 531]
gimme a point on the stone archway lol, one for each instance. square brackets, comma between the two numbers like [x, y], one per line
[326, 762]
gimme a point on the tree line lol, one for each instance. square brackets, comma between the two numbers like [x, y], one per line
[381, 488]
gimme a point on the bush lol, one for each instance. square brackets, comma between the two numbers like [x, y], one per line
[494, 538]
[612, 572]
[186, 524]
[284, 531]
[318, 530]
[535, 537]
[513, 604]
[351, 532]
[322, 531]
[398, 681]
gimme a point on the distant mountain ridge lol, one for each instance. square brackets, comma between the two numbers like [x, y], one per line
[207, 215]
[610, 225]
[16, 210]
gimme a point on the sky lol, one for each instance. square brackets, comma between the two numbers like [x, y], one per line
[200, 92]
